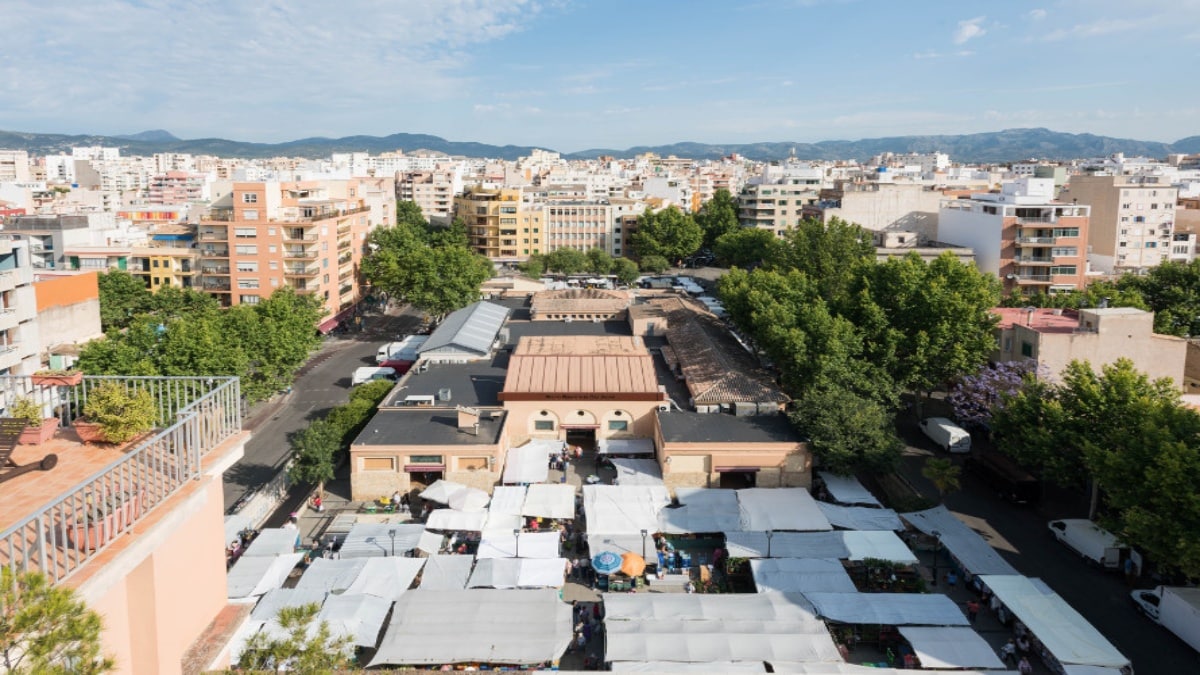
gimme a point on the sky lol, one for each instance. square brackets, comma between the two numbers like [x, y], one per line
[578, 74]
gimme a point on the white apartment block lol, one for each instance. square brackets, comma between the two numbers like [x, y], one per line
[1133, 220]
[581, 225]
[677, 191]
[14, 166]
[20, 344]
[432, 191]
[775, 206]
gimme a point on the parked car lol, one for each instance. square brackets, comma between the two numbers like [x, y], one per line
[369, 373]
[948, 435]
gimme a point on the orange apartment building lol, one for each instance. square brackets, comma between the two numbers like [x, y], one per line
[500, 226]
[308, 235]
[1032, 242]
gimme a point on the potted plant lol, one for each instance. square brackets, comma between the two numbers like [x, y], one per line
[102, 519]
[38, 429]
[57, 378]
[114, 414]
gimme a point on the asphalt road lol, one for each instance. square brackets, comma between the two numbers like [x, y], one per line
[1022, 538]
[322, 383]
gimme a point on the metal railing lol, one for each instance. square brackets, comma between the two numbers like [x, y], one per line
[195, 415]
[1036, 240]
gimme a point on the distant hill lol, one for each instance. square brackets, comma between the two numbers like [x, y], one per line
[998, 146]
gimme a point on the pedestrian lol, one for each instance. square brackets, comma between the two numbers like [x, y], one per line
[951, 579]
[580, 642]
[587, 631]
[1008, 652]
[1024, 666]
[596, 611]
[318, 505]
[578, 453]
[972, 610]
[689, 587]
[1023, 645]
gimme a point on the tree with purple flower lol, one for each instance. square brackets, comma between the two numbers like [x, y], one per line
[978, 396]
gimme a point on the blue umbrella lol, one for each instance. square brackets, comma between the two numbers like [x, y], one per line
[606, 562]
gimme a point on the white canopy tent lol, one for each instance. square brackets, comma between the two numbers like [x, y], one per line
[851, 669]
[793, 509]
[503, 521]
[669, 667]
[504, 544]
[829, 545]
[1060, 629]
[888, 609]
[623, 509]
[485, 626]
[884, 545]
[331, 575]
[431, 542]
[801, 575]
[518, 573]
[545, 500]
[1091, 670]
[847, 490]
[454, 520]
[446, 572]
[861, 517]
[637, 471]
[268, 608]
[946, 647]
[357, 616]
[975, 554]
[470, 500]
[273, 541]
[253, 576]
[441, 490]
[376, 540]
[507, 500]
[388, 578]
[623, 543]
[625, 446]
[530, 463]
[701, 510]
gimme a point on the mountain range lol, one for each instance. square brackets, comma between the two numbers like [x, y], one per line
[997, 146]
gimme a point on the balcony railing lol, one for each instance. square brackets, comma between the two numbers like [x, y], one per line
[195, 415]
[222, 216]
[214, 270]
[1034, 260]
[299, 255]
[1023, 279]
[300, 271]
[298, 236]
[1035, 240]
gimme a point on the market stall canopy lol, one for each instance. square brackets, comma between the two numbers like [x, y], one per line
[251, 577]
[777, 509]
[674, 667]
[625, 446]
[476, 626]
[431, 542]
[518, 573]
[801, 575]
[268, 608]
[632, 564]
[701, 510]
[388, 578]
[1091, 670]
[507, 500]
[235, 525]
[623, 509]
[530, 463]
[356, 616]
[453, 520]
[946, 647]
[331, 575]
[446, 573]
[273, 541]
[441, 490]
[975, 554]
[850, 669]
[550, 501]
[828, 545]
[503, 521]
[502, 544]
[376, 540]
[882, 545]
[637, 471]
[861, 517]
[469, 499]
[888, 609]
[1060, 629]
[847, 490]
[623, 543]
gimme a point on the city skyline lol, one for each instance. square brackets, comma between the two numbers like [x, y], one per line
[575, 75]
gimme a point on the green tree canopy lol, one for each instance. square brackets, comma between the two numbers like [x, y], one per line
[846, 432]
[599, 261]
[625, 269]
[746, 247]
[46, 629]
[669, 233]
[1095, 293]
[534, 267]
[1172, 291]
[943, 473]
[305, 647]
[566, 261]
[433, 273]
[314, 453]
[832, 254]
[122, 297]
[718, 217]
[408, 213]
[654, 264]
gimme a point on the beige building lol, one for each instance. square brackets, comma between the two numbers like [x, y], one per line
[579, 304]
[776, 206]
[880, 206]
[1132, 220]
[1055, 338]
[432, 191]
[500, 225]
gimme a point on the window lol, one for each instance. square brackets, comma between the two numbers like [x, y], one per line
[425, 459]
[250, 214]
[271, 231]
[247, 266]
[1139, 219]
[273, 264]
[1064, 251]
[247, 283]
[244, 232]
[246, 249]
[543, 425]
[1066, 232]
[1063, 269]
[249, 299]
[1026, 349]
[618, 425]
[1152, 244]
[154, 263]
[249, 198]
[1153, 207]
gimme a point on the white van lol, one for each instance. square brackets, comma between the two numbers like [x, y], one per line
[947, 434]
[1096, 544]
[368, 373]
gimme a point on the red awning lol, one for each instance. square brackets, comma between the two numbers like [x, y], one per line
[580, 427]
[424, 468]
[738, 469]
[327, 325]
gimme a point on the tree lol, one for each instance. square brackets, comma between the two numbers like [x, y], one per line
[566, 261]
[436, 279]
[533, 267]
[297, 645]
[847, 433]
[46, 629]
[654, 264]
[314, 452]
[832, 254]
[122, 297]
[669, 233]
[976, 397]
[454, 234]
[1093, 295]
[599, 261]
[943, 474]
[625, 269]
[718, 217]
[1172, 292]
[746, 247]
[408, 213]
[1032, 427]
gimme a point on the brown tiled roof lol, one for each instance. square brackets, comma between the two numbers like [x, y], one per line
[593, 300]
[581, 364]
[715, 368]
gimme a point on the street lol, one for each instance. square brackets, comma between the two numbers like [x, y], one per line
[1022, 538]
[321, 384]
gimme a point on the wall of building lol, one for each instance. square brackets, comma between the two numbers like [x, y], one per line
[366, 485]
[522, 416]
[695, 464]
[68, 309]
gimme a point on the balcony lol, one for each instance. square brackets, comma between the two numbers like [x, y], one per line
[9, 318]
[215, 286]
[109, 490]
[214, 253]
[1033, 260]
[215, 269]
[8, 280]
[1036, 241]
[329, 213]
[300, 271]
[298, 235]
[344, 245]
[1032, 279]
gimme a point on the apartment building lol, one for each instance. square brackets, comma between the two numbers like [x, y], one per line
[776, 206]
[500, 225]
[1133, 220]
[50, 237]
[159, 266]
[581, 225]
[177, 187]
[14, 166]
[879, 206]
[1033, 243]
[433, 191]
[20, 343]
[308, 235]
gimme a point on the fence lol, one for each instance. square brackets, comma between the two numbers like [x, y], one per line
[195, 415]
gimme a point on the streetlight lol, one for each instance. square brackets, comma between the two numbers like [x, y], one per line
[644, 533]
[937, 548]
[392, 534]
[517, 539]
[770, 534]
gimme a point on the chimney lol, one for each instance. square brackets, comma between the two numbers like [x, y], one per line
[468, 419]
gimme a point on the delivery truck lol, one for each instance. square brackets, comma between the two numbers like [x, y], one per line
[369, 373]
[1094, 543]
[948, 435]
[1175, 608]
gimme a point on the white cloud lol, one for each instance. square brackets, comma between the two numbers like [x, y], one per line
[1036, 14]
[969, 30]
[1098, 28]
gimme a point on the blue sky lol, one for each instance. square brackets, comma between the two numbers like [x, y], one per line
[576, 74]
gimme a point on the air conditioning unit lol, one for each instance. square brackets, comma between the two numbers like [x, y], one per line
[664, 407]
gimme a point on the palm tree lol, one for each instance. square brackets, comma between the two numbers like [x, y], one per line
[943, 473]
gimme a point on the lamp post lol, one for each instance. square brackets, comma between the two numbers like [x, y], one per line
[937, 549]
[770, 535]
[517, 545]
[392, 534]
[644, 533]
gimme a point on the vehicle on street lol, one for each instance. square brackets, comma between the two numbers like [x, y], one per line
[1005, 476]
[1176, 609]
[369, 373]
[948, 435]
[1096, 544]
